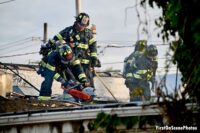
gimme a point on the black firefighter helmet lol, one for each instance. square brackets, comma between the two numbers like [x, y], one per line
[65, 53]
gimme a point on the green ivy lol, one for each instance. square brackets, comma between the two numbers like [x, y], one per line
[180, 16]
[110, 122]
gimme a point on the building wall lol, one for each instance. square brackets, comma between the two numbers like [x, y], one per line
[104, 85]
[114, 84]
[112, 88]
[70, 127]
[6, 83]
[35, 80]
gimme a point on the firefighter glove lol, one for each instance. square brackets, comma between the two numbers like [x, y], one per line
[83, 80]
[69, 84]
[65, 84]
[95, 62]
[44, 50]
[72, 83]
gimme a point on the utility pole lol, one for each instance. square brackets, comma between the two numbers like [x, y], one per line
[45, 33]
[78, 7]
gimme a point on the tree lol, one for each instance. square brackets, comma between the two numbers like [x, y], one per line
[181, 17]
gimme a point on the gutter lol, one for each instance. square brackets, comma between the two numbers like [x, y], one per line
[72, 115]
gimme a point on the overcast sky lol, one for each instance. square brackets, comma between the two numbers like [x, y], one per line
[20, 20]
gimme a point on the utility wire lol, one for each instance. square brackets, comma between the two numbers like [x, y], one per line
[114, 62]
[131, 44]
[108, 46]
[119, 62]
[102, 51]
[19, 54]
[20, 77]
[7, 1]
[15, 45]
[126, 12]
[30, 32]
[10, 43]
[129, 41]
[21, 48]
[115, 46]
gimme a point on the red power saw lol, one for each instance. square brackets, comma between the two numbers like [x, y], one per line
[77, 93]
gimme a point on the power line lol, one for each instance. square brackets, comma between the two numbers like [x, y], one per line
[114, 62]
[126, 12]
[114, 46]
[108, 46]
[19, 49]
[120, 62]
[7, 1]
[19, 54]
[15, 45]
[29, 32]
[19, 45]
[102, 51]
[20, 41]
[128, 43]
[10, 43]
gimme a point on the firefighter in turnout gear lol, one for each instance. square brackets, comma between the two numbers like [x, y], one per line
[139, 50]
[57, 64]
[152, 53]
[82, 42]
[139, 73]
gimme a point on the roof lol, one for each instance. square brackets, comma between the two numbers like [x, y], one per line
[25, 91]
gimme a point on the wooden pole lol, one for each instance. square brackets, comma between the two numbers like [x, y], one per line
[78, 6]
[45, 33]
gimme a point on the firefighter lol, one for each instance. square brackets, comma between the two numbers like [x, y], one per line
[92, 27]
[152, 53]
[140, 48]
[82, 41]
[138, 73]
[44, 51]
[57, 64]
